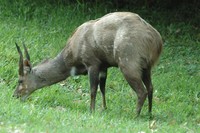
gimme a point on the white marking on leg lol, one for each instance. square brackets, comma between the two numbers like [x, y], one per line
[73, 71]
[102, 74]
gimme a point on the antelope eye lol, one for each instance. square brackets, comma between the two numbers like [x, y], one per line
[20, 81]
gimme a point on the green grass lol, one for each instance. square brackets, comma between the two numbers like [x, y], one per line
[64, 107]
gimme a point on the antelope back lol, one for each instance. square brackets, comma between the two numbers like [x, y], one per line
[116, 38]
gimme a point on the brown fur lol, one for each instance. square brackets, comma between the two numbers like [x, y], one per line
[120, 39]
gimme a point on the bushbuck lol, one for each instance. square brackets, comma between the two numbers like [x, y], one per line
[119, 39]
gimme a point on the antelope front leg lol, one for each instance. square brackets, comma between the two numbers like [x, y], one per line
[102, 83]
[93, 73]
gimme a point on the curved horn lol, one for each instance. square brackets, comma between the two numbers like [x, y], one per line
[21, 66]
[26, 52]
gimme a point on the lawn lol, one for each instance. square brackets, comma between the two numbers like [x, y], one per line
[64, 107]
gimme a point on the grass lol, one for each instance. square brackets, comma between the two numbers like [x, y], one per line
[64, 107]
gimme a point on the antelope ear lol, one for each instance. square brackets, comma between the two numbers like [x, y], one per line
[27, 63]
[27, 66]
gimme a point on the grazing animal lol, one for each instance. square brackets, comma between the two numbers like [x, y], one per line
[119, 39]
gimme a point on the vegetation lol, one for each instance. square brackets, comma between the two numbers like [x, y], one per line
[64, 107]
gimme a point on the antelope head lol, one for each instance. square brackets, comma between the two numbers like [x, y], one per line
[25, 85]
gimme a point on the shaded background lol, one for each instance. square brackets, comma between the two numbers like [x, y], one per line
[175, 10]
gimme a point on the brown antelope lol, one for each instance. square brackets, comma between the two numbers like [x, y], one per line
[120, 39]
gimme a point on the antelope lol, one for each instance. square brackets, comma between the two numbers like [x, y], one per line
[119, 39]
